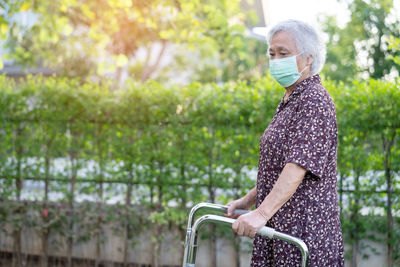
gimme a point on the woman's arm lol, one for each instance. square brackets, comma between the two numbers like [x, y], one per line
[284, 188]
[286, 185]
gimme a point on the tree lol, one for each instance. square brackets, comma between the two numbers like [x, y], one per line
[377, 113]
[361, 47]
[132, 37]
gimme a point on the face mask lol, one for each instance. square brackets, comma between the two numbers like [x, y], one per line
[284, 70]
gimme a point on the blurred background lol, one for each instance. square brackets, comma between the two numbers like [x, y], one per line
[118, 116]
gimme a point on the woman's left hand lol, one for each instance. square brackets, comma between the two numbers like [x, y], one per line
[248, 224]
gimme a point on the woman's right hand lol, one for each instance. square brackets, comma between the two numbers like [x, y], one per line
[240, 203]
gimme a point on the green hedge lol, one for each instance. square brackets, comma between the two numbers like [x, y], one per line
[172, 147]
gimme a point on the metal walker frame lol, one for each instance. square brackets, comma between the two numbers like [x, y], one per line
[189, 257]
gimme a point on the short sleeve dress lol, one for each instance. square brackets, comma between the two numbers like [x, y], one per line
[303, 131]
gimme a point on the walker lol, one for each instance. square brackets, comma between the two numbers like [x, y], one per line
[189, 257]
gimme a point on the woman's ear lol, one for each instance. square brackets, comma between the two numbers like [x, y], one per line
[310, 60]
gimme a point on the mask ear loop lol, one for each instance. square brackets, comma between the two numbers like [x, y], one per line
[304, 67]
[303, 70]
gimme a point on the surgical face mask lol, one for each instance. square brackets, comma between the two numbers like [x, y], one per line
[284, 70]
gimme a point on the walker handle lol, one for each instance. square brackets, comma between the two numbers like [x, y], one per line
[209, 207]
[265, 231]
[191, 236]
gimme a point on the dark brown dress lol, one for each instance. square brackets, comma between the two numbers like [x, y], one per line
[303, 131]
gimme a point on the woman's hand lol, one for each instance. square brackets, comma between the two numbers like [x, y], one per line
[249, 223]
[245, 203]
[240, 203]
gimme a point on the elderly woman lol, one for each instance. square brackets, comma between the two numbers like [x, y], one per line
[296, 183]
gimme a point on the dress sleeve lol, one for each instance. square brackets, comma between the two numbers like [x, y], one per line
[311, 134]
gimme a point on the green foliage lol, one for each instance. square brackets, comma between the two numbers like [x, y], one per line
[171, 147]
[369, 123]
[394, 45]
[365, 36]
[98, 38]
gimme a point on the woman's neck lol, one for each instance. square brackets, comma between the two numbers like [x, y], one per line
[290, 89]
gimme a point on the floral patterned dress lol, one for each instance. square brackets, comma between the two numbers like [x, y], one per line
[303, 131]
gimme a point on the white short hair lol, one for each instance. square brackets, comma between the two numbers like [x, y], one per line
[307, 39]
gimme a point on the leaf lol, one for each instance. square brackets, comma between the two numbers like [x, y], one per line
[88, 12]
[25, 7]
[68, 29]
[166, 34]
[238, 28]
[3, 29]
[121, 60]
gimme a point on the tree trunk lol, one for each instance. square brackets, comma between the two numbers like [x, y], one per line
[354, 254]
[100, 207]
[354, 217]
[44, 239]
[213, 245]
[390, 227]
[389, 216]
[182, 169]
[45, 231]
[147, 72]
[17, 233]
[127, 224]
[237, 245]
[98, 259]
[387, 145]
[236, 239]
[156, 247]
[118, 78]
[70, 219]
[157, 228]
[17, 260]
[71, 209]
[211, 191]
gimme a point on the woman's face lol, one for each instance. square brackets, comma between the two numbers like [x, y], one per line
[284, 45]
